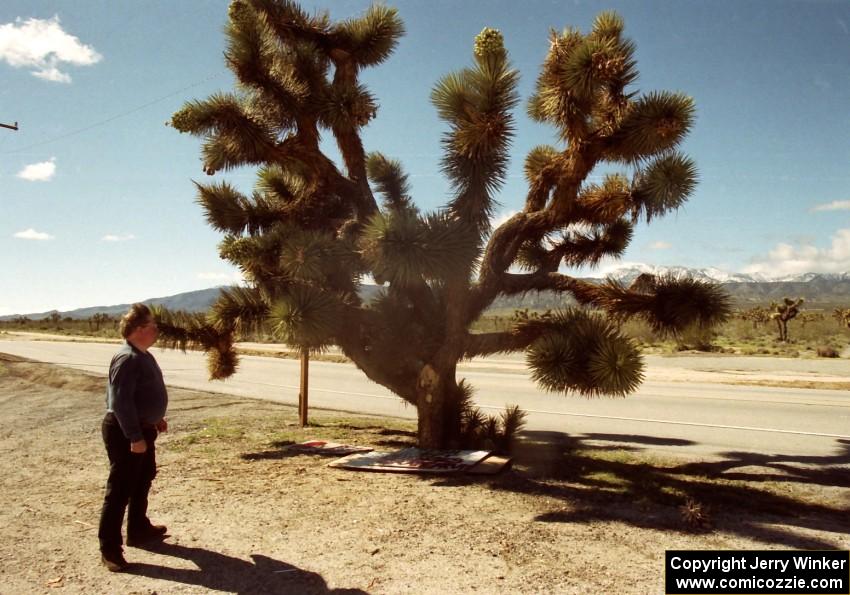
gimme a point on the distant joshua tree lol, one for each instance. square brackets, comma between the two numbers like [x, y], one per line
[807, 317]
[97, 319]
[759, 315]
[782, 313]
[313, 228]
[842, 316]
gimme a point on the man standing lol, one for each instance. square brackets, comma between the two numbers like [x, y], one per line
[136, 400]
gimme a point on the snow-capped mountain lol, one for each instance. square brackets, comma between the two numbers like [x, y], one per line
[628, 273]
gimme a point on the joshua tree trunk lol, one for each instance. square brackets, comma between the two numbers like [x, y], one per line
[438, 408]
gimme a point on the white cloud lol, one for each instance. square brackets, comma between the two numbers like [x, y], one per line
[836, 205]
[114, 238]
[786, 259]
[499, 218]
[43, 47]
[31, 234]
[39, 172]
[660, 245]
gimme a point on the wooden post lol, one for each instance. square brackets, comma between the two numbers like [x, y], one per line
[302, 395]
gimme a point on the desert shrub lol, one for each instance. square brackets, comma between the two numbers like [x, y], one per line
[827, 351]
[696, 338]
[640, 331]
[492, 432]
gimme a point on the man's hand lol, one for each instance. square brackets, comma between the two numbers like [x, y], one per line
[139, 446]
[162, 425]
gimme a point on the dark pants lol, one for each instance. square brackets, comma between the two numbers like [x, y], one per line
[130, 478]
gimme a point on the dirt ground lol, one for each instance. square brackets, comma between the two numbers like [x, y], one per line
[246, 517]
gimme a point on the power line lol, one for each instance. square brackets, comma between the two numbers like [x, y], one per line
[112, 118]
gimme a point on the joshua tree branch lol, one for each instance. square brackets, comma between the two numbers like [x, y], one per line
[354, 347]
[504, 342]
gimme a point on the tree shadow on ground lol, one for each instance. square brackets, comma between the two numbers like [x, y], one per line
[821, 470]
[218, 572]
[604, 482]
[280, 449]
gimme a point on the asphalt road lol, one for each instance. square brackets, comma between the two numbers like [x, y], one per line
[692, 419]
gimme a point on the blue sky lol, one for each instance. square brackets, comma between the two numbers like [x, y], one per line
[97, 205]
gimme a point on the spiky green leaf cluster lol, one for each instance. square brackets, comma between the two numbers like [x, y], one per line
[663, 186]
[181, 330]
[348, 106]
[477, 104]
[607, 202]
[390, 180]
[583, 353]
[241, 309]
[285, 254]
[371, 38]
[653, 124]
[404, 248]
[493, 432]
[581, 89]
[306, 316]
[669, 304]
[229, 211]
[538, 159]
[281, 57]
[602, 241]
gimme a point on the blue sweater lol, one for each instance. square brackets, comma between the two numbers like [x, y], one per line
[136, 391]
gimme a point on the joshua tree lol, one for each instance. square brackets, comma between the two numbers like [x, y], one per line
[313, 228]
[784, 312]
[807, 317]
[758, 315]
[97, 319]
[842, 316]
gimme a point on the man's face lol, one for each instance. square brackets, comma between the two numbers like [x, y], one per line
[147, 333]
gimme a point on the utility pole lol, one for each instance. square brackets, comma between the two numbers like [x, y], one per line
[10, 126]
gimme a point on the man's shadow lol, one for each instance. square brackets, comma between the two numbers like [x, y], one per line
[218, 572]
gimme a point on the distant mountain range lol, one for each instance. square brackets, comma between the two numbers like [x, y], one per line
[627, 274]
[818, 290]
[191, 301]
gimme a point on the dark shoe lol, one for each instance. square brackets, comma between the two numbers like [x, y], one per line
[152, 533]
[114, 561]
